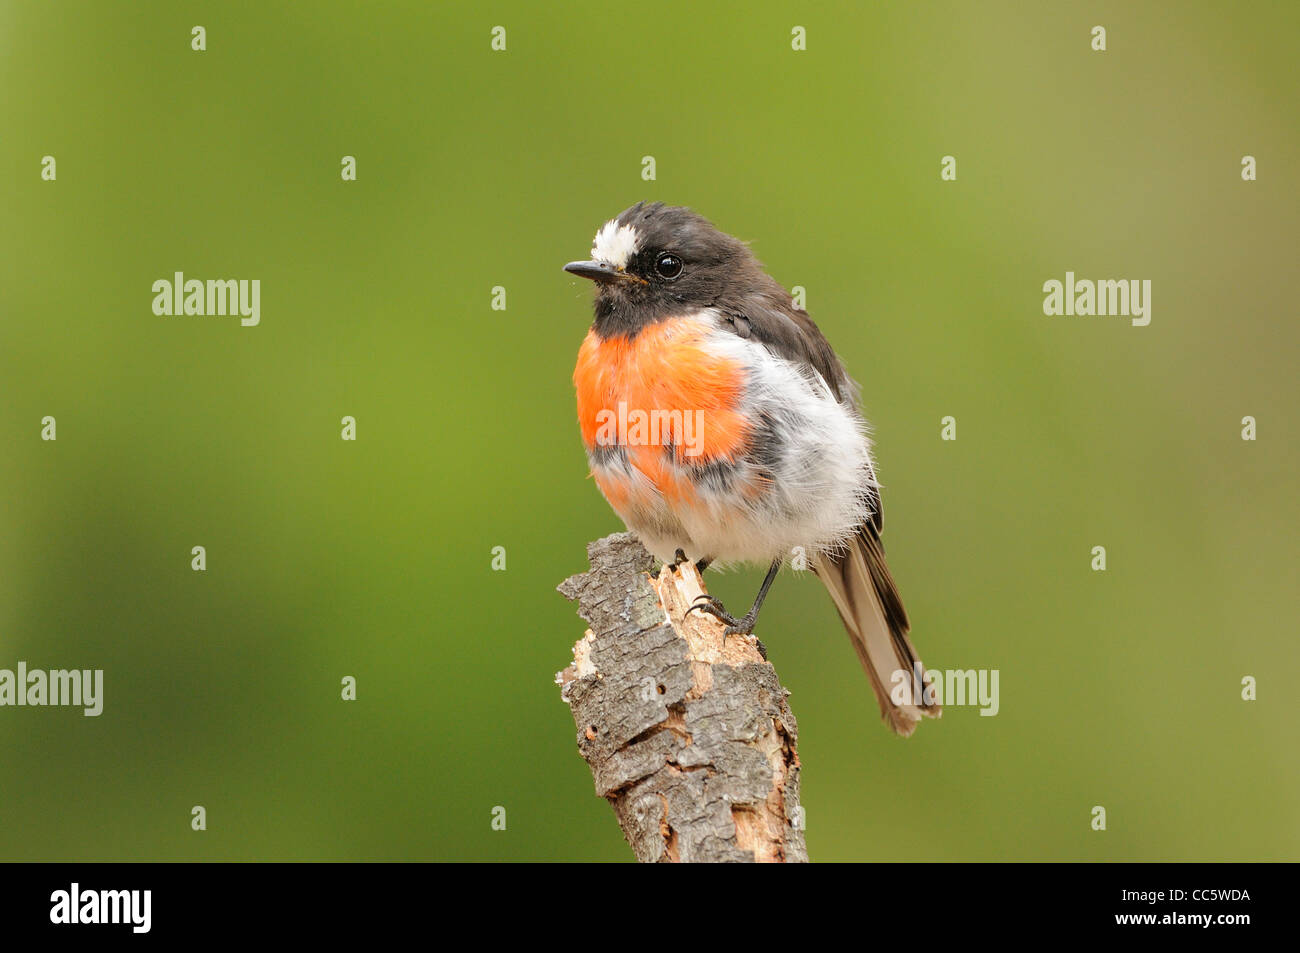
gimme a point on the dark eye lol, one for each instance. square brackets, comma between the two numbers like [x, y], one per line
[668, 266]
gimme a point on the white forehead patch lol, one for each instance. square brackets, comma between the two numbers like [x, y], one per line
[614, 244]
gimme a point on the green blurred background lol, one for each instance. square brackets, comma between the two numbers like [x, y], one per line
[478, 169]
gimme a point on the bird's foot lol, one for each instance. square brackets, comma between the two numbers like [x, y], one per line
[710, 605]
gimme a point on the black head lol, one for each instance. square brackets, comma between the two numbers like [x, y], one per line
[656, 261]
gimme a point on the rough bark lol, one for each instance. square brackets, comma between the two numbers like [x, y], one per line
[688, 735]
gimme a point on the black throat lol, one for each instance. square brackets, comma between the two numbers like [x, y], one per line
[625, 311]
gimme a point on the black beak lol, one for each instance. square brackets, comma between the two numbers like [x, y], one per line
[595, 270]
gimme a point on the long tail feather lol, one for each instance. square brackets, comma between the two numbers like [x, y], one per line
[859, 582]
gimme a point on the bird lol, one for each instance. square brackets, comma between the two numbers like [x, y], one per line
[723, 429]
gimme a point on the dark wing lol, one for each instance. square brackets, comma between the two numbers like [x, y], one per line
[770, 317]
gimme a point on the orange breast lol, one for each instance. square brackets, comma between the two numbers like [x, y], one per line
[666, 370]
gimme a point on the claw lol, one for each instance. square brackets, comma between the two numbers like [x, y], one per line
[712, 606]
[743, 626]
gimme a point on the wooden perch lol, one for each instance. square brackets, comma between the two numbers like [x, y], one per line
[688, 735]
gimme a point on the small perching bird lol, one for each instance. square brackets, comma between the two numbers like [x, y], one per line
[722, 427]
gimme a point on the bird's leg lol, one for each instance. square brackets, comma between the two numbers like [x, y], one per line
[678, 558]
[745, 624]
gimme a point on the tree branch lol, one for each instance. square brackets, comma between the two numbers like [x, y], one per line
[688, 736]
